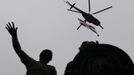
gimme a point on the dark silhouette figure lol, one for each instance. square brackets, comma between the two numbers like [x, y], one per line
[68, 70]
[100, 59]
[33, 67]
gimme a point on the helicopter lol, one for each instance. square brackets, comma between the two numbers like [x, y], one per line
[87, 16]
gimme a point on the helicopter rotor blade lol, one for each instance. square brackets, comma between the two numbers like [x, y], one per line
[89, 6]
[73, 10]
[79, 27]
[102, 10]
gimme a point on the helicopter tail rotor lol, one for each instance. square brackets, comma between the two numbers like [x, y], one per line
[72, 6]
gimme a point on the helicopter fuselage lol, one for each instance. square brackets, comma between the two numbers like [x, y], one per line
[88, 17]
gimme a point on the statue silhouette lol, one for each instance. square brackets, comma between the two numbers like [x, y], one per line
[100, 59]
[33, 67]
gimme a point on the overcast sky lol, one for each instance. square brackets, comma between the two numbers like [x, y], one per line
[47, 24]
